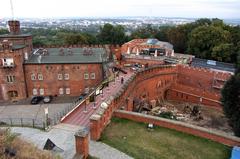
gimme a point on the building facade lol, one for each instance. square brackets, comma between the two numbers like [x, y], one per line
[56, 71]
[148, 47]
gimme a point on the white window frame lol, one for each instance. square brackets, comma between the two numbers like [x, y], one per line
[61, 91]
[33, 77]
[35, 91]
[7, 61]
[86, 90]
[40, 77]
[60, 76]
[66, 76]
[41, 91]
[86, 76]
[92, 75]
[68, 91]
[10, 78]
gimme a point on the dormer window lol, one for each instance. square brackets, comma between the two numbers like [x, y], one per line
[7, 62]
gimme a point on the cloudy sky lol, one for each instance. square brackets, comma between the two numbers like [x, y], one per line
[116, 8]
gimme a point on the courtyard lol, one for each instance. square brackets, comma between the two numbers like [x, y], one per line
[23, 113]
[139, 142]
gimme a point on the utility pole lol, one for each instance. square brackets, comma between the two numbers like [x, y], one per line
[12, 9]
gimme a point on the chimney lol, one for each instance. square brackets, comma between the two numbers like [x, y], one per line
[14, 27]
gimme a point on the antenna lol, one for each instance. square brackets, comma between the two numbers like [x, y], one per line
[12, 9]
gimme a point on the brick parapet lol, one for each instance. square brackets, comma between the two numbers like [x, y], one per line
[211, 134]
[152, 83]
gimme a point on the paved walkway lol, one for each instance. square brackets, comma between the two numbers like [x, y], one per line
[81, 115]
[63, 136]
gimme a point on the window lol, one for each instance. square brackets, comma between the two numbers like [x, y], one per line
[67, 90]
[60, 77]
[33, 77]
[66, 76]
[61, 91]
[8, 62]
[41, 91]
[35, 92]
[86, 90]
[13, 94]
[86, 76]
[10, 79]
[92, 76]
[40, 77]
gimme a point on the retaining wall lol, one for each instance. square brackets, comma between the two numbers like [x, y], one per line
[214, 135]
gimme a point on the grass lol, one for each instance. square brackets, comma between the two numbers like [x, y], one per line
[161, 143]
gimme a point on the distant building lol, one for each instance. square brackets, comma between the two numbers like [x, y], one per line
[148, 47]
[25, 72]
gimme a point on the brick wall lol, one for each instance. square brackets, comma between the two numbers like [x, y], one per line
[52, 84]
[155, 82]
[17, 85]
[152, 82]
[180, 126]
[142, 62]
[200, 78]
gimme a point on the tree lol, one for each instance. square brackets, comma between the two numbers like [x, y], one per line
[231, 101]
[144, 32]
[161, 33]
[110, 34]
[72, 39]
[223, 52]
[178, 36]
[3, 31]
[203, 39]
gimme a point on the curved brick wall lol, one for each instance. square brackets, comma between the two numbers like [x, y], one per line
[157, 82]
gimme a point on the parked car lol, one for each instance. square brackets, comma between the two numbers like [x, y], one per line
[36, 100]
[47, 99]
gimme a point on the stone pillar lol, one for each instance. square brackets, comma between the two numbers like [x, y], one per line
[95, 127]
[82, 143]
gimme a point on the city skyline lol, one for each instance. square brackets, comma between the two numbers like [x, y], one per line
[225, 9]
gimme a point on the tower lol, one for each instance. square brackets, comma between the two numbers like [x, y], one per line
[14, 49]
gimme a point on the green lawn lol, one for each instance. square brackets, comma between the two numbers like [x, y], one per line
[135, 140]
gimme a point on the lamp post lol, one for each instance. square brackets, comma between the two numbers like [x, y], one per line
[114, 79]
[46, 115]
[85, 108]
[94, 105]
[102, 95]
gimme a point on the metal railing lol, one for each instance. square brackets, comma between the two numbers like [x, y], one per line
[23, 122]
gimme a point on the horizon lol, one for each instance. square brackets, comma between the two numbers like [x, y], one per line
[115, 17]
[222, 9]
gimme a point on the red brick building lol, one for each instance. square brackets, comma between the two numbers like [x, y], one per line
[147, 46]
[25, 72]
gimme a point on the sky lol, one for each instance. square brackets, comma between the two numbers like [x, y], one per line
[120, 8]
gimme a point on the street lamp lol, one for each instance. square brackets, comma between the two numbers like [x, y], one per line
[46, 115]
[85, 108]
